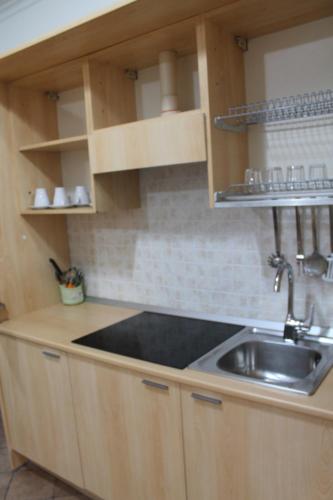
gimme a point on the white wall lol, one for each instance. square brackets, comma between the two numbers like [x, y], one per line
[22, 21]
[291, 62]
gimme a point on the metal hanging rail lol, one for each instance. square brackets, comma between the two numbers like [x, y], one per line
[307, 105]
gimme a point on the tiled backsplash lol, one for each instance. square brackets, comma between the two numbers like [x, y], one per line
[176, 252]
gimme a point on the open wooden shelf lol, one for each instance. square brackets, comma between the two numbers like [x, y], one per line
[68, 144]
[60, 211]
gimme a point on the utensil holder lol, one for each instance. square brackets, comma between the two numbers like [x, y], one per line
[71, 296]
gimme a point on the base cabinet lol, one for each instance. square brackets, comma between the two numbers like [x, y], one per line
[123, 435]
[130, 435]
[39, 408]
[237, 450]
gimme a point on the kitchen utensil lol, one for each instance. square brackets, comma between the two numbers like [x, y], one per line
[81, 196]
[58, 272]
[73, 277]
[276, 259]
[315, 265]
[299, 235]
[41, 199]
[329, 273]
[60, 198]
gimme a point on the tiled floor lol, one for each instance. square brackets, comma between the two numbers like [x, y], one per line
[29, 482]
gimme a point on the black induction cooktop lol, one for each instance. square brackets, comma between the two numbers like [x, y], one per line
[161, 338]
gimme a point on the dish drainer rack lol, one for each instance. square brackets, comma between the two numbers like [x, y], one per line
[301, 193]
[308, 105]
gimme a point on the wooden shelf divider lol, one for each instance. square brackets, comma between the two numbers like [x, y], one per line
[68, 144]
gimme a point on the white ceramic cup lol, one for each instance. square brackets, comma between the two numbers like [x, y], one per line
[41, 198]
[60, 198]
[81, 196]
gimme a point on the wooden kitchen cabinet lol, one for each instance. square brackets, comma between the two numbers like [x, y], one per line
[238, 450]
[38, 407]
[129, 432]
[172, 140]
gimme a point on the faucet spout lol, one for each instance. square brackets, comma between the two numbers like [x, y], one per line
[278, 279]
[294, 329]
[277, 284]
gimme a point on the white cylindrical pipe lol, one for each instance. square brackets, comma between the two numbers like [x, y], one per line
[168, 79]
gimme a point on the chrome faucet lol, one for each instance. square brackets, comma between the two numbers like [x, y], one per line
[294, 329]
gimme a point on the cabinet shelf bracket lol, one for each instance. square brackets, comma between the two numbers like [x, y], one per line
[242, 43]
[221, 124]
[52, 95]
[131, 74]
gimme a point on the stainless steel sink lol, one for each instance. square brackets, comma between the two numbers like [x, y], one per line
[264, 358]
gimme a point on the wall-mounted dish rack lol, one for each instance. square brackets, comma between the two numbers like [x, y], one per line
[305, 106]
[282, 194]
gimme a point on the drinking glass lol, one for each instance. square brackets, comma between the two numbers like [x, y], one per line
[318, 174]
[253, 178]
[295, 176]
[273, 177]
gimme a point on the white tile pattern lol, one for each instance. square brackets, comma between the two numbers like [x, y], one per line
[177, 252]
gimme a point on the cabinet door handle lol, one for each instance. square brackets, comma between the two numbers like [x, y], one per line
[208, 399]
[50, 354]
[150, 383]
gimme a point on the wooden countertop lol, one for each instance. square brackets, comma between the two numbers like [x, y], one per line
[56, 326]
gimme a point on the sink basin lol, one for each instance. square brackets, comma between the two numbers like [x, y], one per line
[263, 358]
[271, 362]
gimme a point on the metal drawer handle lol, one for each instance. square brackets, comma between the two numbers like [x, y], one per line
[51, 354]
[150, 383]
[208, 399]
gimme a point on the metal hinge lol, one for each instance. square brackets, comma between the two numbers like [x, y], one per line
[242, 43]
[52, 95]
[132, 74]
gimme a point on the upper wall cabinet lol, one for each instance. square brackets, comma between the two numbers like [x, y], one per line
[39, 150]
[117, 143]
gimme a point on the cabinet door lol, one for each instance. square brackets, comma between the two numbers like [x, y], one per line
[39, 408]
[237, 450]
[168, 140]
[129, 433]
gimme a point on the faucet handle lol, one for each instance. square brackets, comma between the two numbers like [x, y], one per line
[309, 320]
[303, 327]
